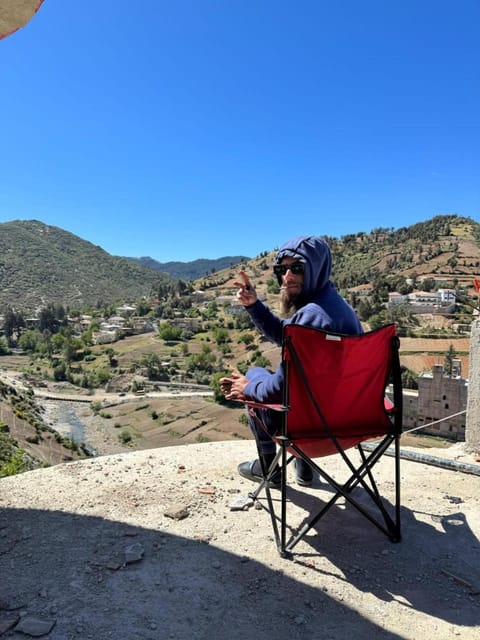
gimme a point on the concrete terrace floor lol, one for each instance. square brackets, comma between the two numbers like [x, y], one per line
[144, 546]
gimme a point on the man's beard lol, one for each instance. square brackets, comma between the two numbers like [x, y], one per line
[288, 303]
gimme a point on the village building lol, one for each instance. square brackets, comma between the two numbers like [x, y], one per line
[441, 301]
[439, 406]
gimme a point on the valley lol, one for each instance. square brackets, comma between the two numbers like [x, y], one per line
[138, 368]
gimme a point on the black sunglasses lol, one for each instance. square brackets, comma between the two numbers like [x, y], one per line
[297, 268]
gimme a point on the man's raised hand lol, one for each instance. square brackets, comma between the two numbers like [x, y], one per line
[246, 294]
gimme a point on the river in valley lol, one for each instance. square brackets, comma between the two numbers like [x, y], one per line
[68, 419]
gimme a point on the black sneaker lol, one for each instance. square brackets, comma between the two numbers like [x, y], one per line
[303, 472]
[252, 470]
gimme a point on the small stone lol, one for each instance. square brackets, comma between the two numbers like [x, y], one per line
[240, 503]
[177, 512]
[8, 623]
[134, 553]
[35, 627]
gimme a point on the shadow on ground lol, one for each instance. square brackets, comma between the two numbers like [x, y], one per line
[69, 570]
[435, 569]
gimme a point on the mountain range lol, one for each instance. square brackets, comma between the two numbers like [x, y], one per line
[191, 270]
[41, 264]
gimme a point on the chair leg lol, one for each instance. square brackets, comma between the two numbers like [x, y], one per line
[390, 526]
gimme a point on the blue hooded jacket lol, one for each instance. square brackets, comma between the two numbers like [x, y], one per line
[320, 307]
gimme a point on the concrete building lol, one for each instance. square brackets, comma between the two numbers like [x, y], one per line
[439, 396]
[410, 409]
[441, 301]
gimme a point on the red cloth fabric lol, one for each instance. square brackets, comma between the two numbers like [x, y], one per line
[347, 376]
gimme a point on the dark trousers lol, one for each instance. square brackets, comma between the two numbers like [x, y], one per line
[263, 435]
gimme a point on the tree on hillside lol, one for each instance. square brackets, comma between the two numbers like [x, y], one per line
[143, 308]
[51, 318]
[154, 367]
[112, 357]
[212, 310]
[273, 286]
[448, 362]
[69, 348]
[60, 372]
[365, 309]
[30, 339]
[169, 333]
[202, 361]
[409, 378]
[3, 347]
[428, 284]
[246, 338]
[221, 335]
[13, 323]
[243, 321]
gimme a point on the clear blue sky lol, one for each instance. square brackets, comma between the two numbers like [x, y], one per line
[187, 129]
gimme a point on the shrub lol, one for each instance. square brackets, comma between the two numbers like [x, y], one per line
[125, 436]
[95, 406]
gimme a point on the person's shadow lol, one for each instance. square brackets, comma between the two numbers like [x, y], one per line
[77, 576]
[434, 569]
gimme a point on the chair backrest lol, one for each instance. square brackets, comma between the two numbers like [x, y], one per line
[335, 385]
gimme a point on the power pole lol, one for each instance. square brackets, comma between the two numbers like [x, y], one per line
[472, 425]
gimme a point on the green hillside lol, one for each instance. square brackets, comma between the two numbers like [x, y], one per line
[41, 264]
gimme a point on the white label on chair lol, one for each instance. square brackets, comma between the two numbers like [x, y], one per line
[336, 338]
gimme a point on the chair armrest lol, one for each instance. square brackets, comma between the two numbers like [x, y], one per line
[259, 405]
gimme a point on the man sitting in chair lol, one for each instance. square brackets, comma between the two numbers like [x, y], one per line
[302, 267]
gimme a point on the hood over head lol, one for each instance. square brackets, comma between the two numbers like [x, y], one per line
[314, 252]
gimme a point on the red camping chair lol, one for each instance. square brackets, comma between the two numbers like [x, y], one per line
[334, 399]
